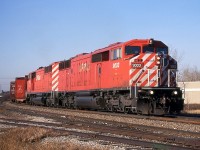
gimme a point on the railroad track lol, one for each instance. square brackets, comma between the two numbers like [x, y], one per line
[101, 129]
[134, 138]
[182, 118]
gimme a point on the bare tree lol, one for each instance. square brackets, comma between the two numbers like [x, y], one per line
[177, 56]
[191, 74]
[186, 73]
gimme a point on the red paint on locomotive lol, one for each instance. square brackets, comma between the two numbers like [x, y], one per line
[20, 89]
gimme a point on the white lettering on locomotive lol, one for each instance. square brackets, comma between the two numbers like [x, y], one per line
[84, 67]
[115, 65]
[38, 78]
[19, 89]
[137, 65]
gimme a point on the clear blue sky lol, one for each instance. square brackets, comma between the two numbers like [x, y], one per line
[35, 33]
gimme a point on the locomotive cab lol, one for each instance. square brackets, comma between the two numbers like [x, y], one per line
[153, 80]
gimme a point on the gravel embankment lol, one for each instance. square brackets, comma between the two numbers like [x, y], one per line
[95, 144]
[137, 121]
[100, 118]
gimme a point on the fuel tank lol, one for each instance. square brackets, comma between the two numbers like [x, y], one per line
[85, 93]
[86, 102]
[39, 100]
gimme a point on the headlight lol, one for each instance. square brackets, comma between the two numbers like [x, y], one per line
[158, 57]
[175, 92]
[151, 92]
[158, 62]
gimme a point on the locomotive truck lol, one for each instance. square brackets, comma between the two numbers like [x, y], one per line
[137, 76]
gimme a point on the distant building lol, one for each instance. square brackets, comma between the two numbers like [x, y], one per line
[191, 92]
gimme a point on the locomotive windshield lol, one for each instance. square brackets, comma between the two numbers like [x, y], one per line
[148, 49]
[162, 50]
[132, 50]
[159, 50]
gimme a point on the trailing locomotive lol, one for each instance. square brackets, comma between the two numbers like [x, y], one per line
[137, 76]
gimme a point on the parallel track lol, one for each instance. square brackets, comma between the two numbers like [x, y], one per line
[125, 133]
[182, 118]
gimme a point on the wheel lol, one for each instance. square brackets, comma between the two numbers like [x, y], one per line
[126, 110]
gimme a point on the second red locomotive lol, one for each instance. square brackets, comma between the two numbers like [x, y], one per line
[137, 76]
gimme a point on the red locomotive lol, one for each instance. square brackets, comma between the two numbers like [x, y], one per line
[136, 76]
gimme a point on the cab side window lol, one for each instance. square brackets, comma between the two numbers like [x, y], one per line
[130, 50]
[148, 49]
[116, 54]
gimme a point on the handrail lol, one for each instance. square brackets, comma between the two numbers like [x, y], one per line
[137, 82]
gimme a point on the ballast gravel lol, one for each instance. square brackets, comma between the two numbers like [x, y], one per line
[64, 113]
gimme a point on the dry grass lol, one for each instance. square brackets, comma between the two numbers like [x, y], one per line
[30, 138]
[21, 138]
[192, 108]
[2, 110]
[195, 112]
